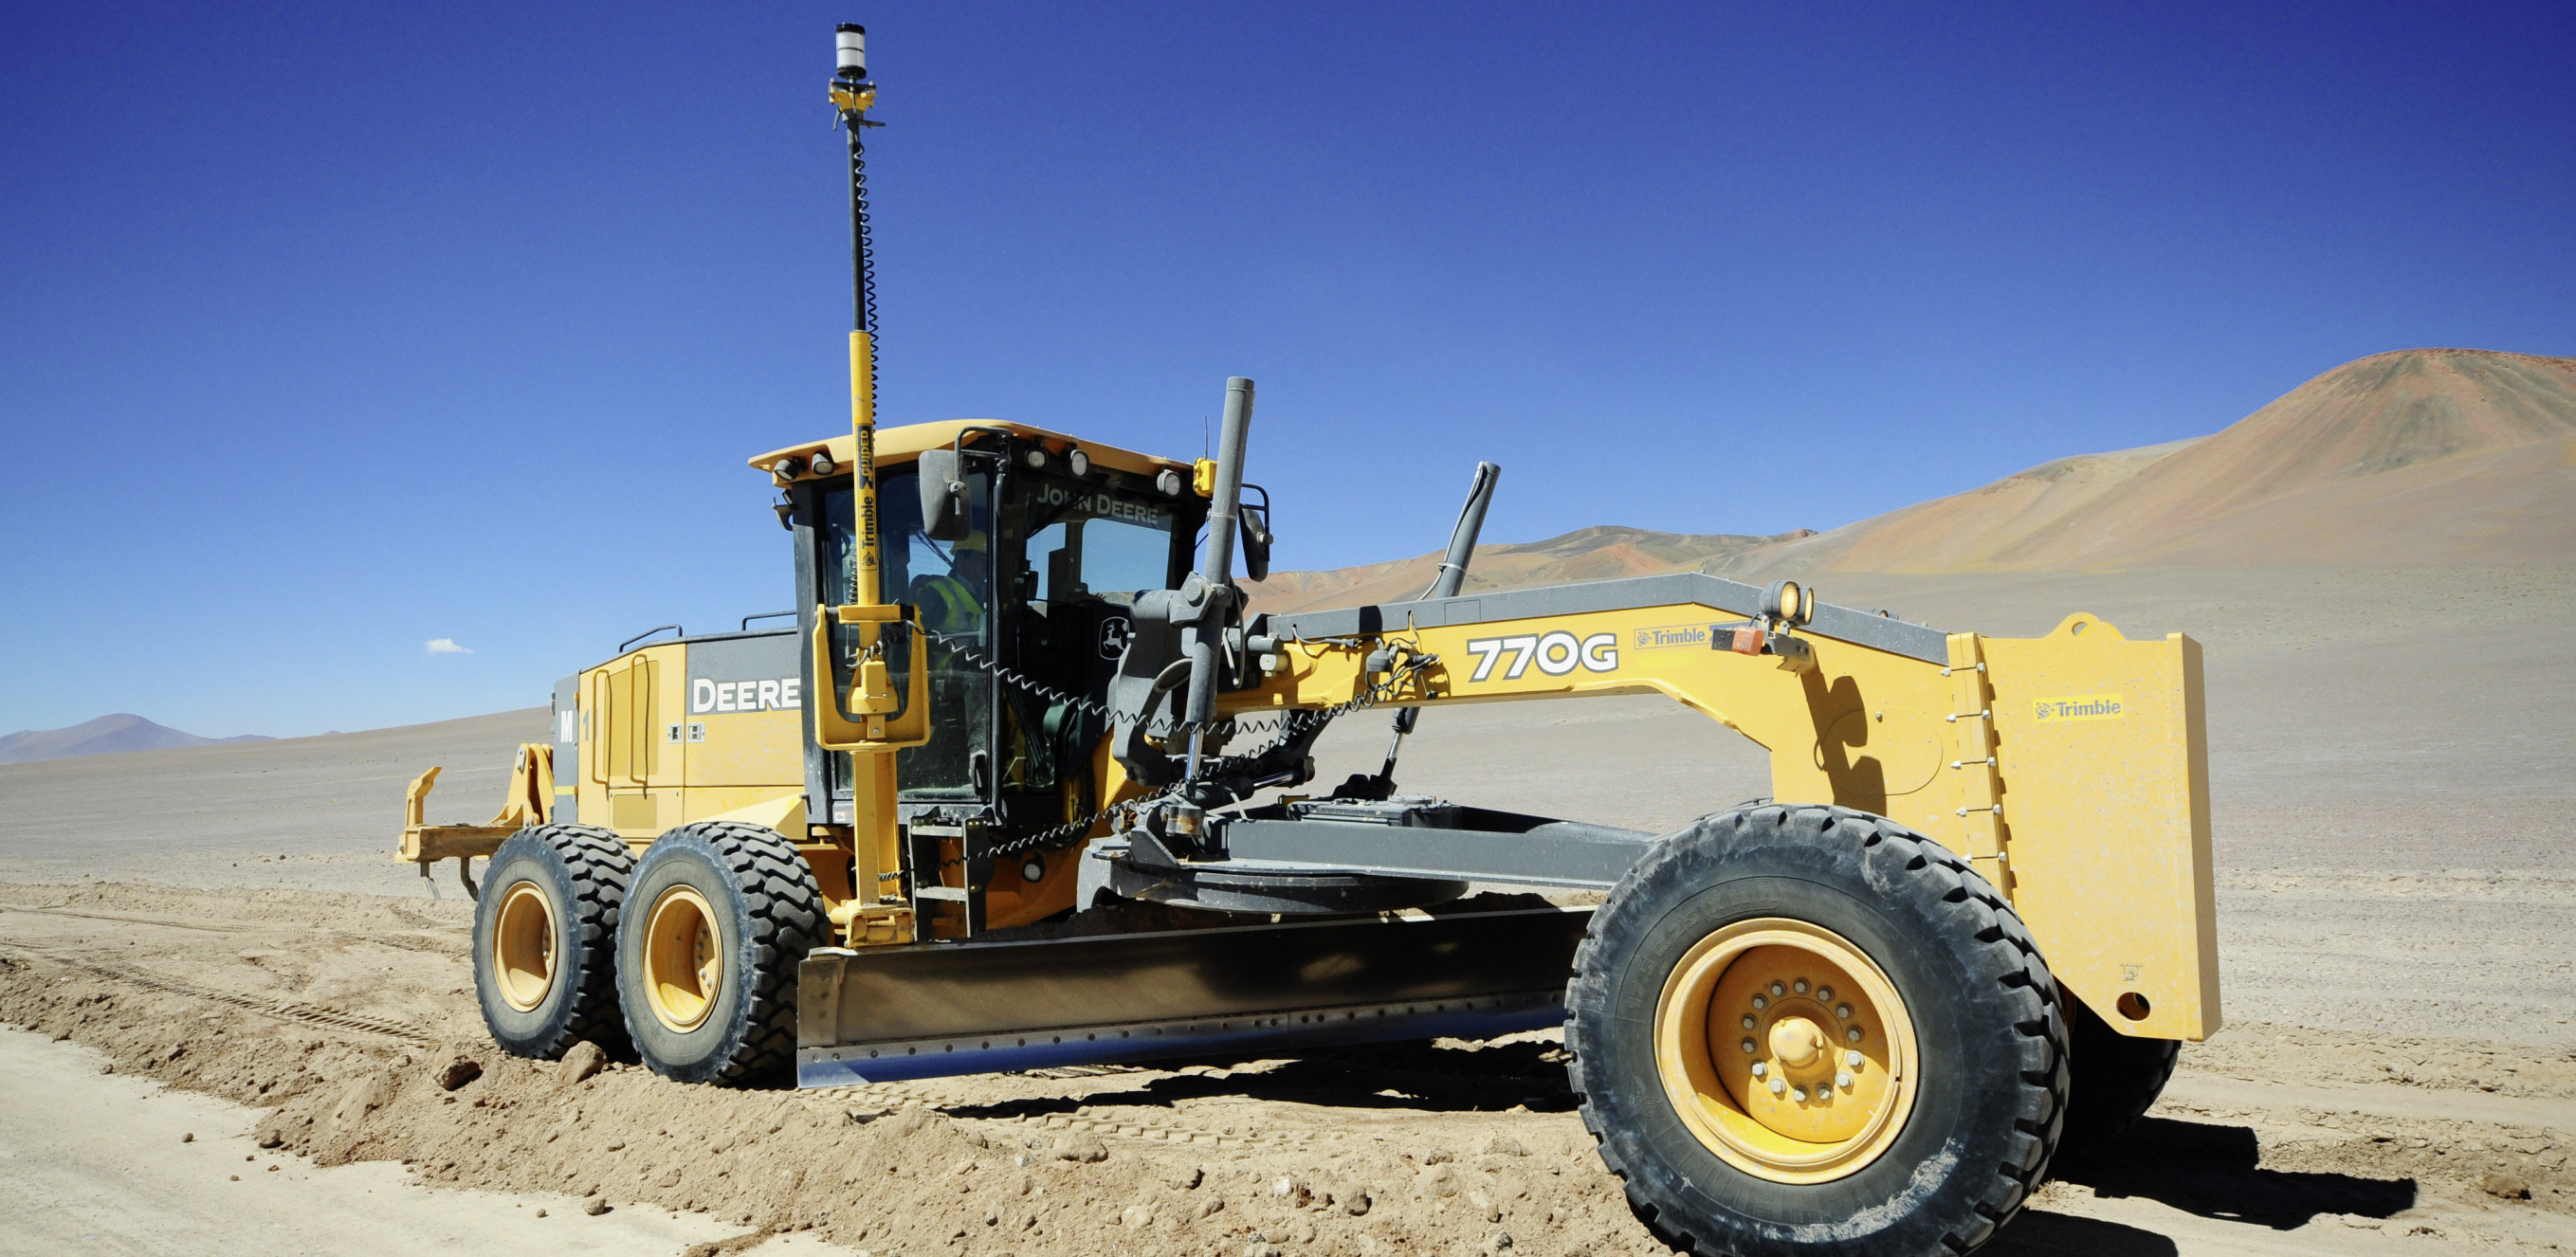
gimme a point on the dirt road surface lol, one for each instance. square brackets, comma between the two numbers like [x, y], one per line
[2397, 870]
[175, 1171]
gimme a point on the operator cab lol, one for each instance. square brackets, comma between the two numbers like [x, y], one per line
[1025, 614]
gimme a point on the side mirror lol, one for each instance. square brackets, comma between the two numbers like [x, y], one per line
[1256, 545]
[943, 496]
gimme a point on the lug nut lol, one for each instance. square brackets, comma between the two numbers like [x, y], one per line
[1777, 989]
[1852, 1059]
[1802, 986]
[1800, 1095]
[1760, 1068]
[1843, 1081]
[1852, 1034]
[1826, 993]
[1778, 1086]
[1759, 1002]
[1748, 1047]
[1748, 1021]
[1843, 1011]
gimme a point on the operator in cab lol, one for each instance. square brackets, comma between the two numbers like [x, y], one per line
[952, 602]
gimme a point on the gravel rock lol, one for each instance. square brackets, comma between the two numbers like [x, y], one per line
[458, 1072]
[581, 1063]
[1438, 1181]
[1084, 1150]
[2505, 1187]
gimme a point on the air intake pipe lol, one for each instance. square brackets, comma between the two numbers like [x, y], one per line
[1446, 583]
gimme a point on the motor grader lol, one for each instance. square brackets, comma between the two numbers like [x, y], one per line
[1027, 784]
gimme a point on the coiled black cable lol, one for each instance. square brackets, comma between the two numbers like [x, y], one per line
[863, 278]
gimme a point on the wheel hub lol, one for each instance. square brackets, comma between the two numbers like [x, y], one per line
[1786, 1050]
[523, 946]
[683, 959]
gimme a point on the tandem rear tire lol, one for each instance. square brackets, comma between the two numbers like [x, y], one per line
[545, 932]
[2117, 1079]
[1809, 1030]
[718, 917]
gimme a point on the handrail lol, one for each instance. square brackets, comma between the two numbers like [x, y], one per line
[675, 629]
[765, 615]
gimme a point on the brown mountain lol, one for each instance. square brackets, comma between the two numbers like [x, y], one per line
[103, 736]
[1597, 553]
[2418, 456]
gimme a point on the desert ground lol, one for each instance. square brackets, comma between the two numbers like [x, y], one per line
[214, 941]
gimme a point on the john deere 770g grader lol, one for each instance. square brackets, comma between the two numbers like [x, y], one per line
[1027, 785]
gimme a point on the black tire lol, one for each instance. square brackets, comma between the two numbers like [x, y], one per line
[2117, 1079]
[767, 912]
[581, 871]
[1991, 1040]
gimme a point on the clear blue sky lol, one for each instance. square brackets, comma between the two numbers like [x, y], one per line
[327, 330]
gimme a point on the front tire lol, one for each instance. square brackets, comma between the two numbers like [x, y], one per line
[545, 929]
[718, 917]
[1925, 1145]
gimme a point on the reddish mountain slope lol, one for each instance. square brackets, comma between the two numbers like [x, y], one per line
[2417, 456]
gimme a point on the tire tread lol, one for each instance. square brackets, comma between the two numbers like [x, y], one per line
[2008, 955]
[784, 915]
[599, 865]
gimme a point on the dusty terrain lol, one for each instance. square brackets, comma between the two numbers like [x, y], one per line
[2393, 782]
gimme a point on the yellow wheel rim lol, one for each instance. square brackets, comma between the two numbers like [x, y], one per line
[1786, 1050]
[683, 959]
[523, 946]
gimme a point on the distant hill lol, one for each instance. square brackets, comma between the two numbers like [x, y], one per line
[1597, 553]
[103, 736]
[2417, 456]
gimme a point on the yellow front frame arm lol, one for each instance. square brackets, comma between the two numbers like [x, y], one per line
[2071, 769]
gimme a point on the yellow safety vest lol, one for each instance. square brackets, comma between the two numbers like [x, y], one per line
[947, 605]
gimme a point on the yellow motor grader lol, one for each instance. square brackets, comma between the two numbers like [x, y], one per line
[1027, 785]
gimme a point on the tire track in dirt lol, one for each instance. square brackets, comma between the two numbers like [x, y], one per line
[443, 946]
[282, 1010]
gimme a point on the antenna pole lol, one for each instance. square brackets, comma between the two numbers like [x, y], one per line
[854, 94]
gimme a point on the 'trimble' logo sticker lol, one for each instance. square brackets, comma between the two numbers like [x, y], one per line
[2075, 707]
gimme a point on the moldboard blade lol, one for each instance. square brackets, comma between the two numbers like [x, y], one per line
[933, 1009]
